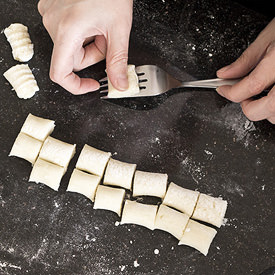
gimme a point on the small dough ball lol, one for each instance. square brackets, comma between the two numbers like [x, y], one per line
[57, 151]
[109, 198]
[181, 198]
[19, 39]
[38, 127]
[171, 221]
[211, 210]
[83, 183]
[198, 236]
[26, 147]
[139, 213]
[22, 80]
[150, 184]
[93, 160]
[47, 173]
[119, 173]
[133, 88]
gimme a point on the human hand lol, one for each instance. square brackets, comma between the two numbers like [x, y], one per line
[74, 23]
[257, 66]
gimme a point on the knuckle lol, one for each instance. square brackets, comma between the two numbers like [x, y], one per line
[271, 104]
[255, 84]
[249, 113]
[118, 58]
[232, 97]
[55, 77]
[271, 120]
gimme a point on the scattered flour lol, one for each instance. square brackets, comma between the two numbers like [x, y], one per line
[5, 264]
[117, 223]
[194, 169]
[136, 264]
[156, 251]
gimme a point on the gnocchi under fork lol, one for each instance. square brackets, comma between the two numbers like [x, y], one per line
[154, 81]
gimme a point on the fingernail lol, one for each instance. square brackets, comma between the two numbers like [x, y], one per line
[122, 82]
[219, 91]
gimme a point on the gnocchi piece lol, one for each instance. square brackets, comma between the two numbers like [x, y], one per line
[93, 160]
[22, 80]
[139, 213]
[109, 198]
[57, 151]
[83, 183]
[38, 127]
[171, 221]
[47, 173]
[133, 88]
[119, 174]
[19, 39]
[211, 210]
[26, 147]
[150, 184]
[198, 236]
[181, 198]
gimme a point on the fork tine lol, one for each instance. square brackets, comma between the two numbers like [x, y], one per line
[103, 91]
[103, 79]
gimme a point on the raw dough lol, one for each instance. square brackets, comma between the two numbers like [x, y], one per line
[198, 236]
[171, 221]
[47, 173]
[26, 147]
[22, 80]
[210, 210]
[150, 184]
[133, 85]
[119, 174]
[109, 198]
[93, 160]
[37, 127]
[181, 198]
[19, 39]
[57, 152]
[83, 183]
[139, 213]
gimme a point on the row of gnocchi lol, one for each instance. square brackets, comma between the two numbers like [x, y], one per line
[176, 214]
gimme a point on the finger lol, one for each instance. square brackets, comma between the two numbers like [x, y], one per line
[260, 78]
[61, 70]
[260, 109]
[43, 5]
[117, 56]
[92, 53]
[271, 119]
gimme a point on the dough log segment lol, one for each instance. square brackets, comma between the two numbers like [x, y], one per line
[139, 213]
[26, 147]
[47, 173]
[109, 198]
[57, 152]
[92, 160]
[181, 199]
[150, 184]
[133, 85]
[211, 210]
[38, 127]
[119, 174]
[171, 221]
[22, 80]
[198, 236]
[19, 39]
[83, 183]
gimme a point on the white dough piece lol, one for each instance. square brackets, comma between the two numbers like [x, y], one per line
[133, 85]
[119, 173]
[181, 198]
[19, 39]
[38, 127]
[109, 198]
[93, 160]
[83, 183]
[211, 210]
[150, 184]
[139, 213]
[57, 151]
[22, 80]
[26, 147]
[198, 236]
[171, 221]
[47, 173]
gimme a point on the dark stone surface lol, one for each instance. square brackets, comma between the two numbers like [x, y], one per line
[201, 140]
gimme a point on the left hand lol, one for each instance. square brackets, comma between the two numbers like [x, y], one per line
[257, 66]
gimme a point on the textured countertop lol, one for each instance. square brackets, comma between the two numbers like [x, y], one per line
[199, 139]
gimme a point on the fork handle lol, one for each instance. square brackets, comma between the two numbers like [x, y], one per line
[210, 83]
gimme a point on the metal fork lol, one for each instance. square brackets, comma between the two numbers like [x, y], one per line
[155, 81]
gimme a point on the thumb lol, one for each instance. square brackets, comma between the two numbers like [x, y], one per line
[117, 56]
